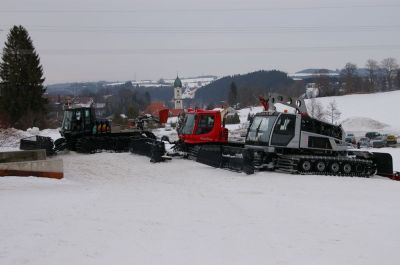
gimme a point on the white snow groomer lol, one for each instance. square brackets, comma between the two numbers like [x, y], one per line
[296, 143]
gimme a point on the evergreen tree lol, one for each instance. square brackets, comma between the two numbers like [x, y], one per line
[232, 119]
[233, 94]
[133, 112]
[147, 98]
[22, 81]
[210, 106]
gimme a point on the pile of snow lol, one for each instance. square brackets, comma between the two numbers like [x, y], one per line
[33, 131]
[11, 137]
[363, 124]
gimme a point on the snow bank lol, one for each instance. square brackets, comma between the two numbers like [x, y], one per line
[10, 138]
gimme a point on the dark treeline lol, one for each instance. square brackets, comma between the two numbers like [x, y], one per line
[164, 93]
[245, 89]
[374, 77]
[121, 100]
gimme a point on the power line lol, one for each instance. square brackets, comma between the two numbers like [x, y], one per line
[200, 10]
[243, 50]
[213, 29]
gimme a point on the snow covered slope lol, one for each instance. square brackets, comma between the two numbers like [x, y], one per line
[380, 107]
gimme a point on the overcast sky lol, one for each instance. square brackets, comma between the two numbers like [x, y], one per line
[126, 39]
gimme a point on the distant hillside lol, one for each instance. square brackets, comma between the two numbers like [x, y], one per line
[207, 89]
[314, 72]
[161, 89]
[249, 87]
[75, 88]
[161, 93]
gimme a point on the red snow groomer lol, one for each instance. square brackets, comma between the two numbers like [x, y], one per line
[199, 128]
[202, 126]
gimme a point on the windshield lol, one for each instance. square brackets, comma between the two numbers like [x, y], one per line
[67, 120]
[260, 129]
[188, 124]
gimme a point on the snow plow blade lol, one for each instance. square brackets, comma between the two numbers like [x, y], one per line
[38, 142]
[228, 157]
[384, 165]
[148, 147]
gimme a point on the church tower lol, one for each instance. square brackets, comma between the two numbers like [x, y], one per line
[178, 93]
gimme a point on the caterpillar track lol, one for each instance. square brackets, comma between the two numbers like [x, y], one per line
[91, 144]
[325, 165]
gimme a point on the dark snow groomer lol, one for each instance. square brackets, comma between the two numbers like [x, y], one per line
[83, 133]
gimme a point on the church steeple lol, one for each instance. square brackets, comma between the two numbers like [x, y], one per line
[178, 82]
[178, 93]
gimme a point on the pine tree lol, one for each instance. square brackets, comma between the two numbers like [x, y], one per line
[233, 94]
[147, 98]
[22, 81]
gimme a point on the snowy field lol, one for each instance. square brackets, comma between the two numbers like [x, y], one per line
[121, 209]
[118, 208]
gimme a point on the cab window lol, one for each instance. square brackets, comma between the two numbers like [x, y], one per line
[284, 130]
[205, 124]
[87, 117]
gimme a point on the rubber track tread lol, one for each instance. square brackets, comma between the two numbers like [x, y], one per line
[291, 164]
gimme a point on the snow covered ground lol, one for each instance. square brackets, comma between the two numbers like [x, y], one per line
[118, 208]
[121, 209]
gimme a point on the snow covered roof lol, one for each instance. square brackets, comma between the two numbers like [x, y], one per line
[100, 105]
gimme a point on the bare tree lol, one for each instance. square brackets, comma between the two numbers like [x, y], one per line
[323, 84]
[389, 67]
[315, 109]
[373, 69]
[398, 79]
[349, 75]
[333, 112]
